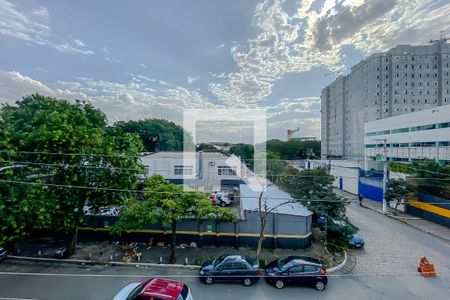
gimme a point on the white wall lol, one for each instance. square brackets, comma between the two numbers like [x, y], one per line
[347, 170]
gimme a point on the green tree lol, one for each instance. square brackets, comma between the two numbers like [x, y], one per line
[205, 147]
[166, 203]
[428, 176]
[245, 152]
[294, 149]
[156, 134]
[75, 156]
[274, 166]
[398, 190]
[314, 189]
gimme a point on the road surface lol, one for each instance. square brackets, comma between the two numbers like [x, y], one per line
[385, 269]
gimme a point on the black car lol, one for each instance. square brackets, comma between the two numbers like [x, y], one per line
[2, 253]
[296, 270]
[230, 267]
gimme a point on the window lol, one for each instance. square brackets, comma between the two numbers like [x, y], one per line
[183, 170]
[296, 269]
[226, 170]
[238, 266]
[310, 269]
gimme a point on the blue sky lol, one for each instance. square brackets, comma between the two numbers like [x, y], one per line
[138, 59]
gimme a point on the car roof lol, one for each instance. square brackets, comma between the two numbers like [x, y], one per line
[162, 288]
[304, 260]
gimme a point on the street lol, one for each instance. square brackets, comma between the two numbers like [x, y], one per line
[385, 269]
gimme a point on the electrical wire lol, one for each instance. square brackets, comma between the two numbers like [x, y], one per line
[171, 193]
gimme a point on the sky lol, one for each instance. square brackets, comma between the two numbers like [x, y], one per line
[154, 59]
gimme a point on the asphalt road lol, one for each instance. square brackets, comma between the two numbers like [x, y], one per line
[386, 269]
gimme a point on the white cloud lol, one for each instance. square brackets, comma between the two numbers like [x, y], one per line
[316, 36]
[139, 99]
[120, 101]
[33, 26]
[191, 79]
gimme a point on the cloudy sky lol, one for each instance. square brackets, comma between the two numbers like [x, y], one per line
[139, 59]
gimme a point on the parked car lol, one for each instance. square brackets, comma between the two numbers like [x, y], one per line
[2, 253]
[230, 267]
[356, 241]
[296, 270]
[220, 199]
[155, 289]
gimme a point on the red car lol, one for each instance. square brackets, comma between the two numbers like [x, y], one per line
[155, 289]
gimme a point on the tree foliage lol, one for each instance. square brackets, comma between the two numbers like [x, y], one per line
[74, 156]
[294, 149]
[166, 203]
[398, 191]
[429, 177]
[314, 189]
[156, 134]
[245, 152]
[205, 147]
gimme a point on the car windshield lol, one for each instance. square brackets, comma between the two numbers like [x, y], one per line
[284, 263]
[219, 260]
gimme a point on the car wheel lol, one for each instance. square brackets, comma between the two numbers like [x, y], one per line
[208, 280]
[320, 286]
[279, 284]
[247, 282]
[223, 204]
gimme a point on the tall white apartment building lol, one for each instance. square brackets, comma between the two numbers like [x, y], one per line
[401, 80]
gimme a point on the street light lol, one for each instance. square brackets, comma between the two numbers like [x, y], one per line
[384, 172]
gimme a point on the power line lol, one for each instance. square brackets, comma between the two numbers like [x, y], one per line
[172, 193]
[209, 173]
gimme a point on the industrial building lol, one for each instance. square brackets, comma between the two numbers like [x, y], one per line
[204, 171]
[402, 80]
[420, 135]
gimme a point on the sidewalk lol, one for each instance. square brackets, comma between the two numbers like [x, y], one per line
[429, 227]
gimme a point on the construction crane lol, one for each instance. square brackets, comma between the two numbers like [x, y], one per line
[290, 132]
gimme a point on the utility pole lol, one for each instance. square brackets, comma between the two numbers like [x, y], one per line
[384, 177]
[384, 172]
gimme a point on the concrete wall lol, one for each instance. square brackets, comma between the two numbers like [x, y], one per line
[282, 231]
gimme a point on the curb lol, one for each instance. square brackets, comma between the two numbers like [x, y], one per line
[340, 266]
[403, 220]
[93, 262]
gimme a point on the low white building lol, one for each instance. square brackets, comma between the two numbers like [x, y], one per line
[204, 171]
[420, 135]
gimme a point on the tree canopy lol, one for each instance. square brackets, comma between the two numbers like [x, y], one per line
[294, 149]
[156, 134]
[75, 159]
[166, 203]
[314, 189]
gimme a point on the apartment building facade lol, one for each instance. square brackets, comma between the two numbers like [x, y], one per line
[402, 80]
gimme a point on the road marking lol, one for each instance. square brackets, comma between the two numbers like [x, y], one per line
[1, 298]
[404, 274]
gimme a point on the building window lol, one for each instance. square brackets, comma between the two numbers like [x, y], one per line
[226, 170]
[183, 170]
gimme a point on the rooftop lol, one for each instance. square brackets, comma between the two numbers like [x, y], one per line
[173, 154]
[275, 199]
[162, 288]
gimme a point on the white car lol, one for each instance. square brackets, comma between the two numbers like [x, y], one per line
[155, 289]
[220, 199]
